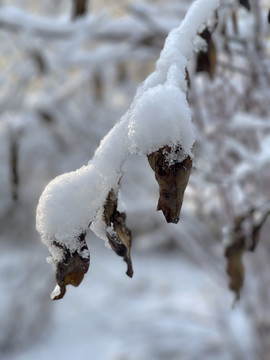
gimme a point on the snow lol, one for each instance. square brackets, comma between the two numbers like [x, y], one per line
[159, 116]
[173, 308]
[56, 292]
[170, 310]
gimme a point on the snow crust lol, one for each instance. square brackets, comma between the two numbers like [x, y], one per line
[159, 116]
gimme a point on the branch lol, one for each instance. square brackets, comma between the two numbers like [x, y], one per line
[159, 116]
[16, 20]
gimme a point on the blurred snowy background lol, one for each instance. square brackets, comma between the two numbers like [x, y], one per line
[66, 78]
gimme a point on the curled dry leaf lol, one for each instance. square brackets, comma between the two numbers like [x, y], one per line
[79, 8]
[172, 179]
[234, 254]
[206, 60]
[235, 268]
[71, 270]
[117, 232]
[245, 3]
[245, 236]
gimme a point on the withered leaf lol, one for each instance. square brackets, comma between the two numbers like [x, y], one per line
[235, 268]
[71, 269]
[243, 238]
[206, 60]
[172, 179]
[120, 237]
[234, 254]
[245, 3]
[79, 8]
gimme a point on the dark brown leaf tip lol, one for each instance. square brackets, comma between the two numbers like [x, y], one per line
[172, 178]
[71, 269]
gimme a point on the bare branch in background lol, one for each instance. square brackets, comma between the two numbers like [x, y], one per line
[39, 61]
[14, 160]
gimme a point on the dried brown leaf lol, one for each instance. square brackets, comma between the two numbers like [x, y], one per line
[241, 237]
[206, 60]
[120, 237]
[245, 3]
[79, 8]
[71, 270]
[172, 180]
[235, 268]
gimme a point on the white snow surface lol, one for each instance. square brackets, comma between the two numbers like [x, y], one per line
[158, 116]
[170, 310]
[168, 121]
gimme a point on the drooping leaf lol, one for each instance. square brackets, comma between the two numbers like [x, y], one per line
[235, 268]
[206, 60]
[245, 3]
[117, 232]
[172, 179]
[71, 269]
[245, 235]
[79, 8]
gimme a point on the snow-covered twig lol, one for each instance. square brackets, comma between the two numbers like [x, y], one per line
[13, 19]
[159, 116]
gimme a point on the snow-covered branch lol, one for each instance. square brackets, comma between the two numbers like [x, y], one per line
[159, 118]
[102, 27]
[16, 20]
